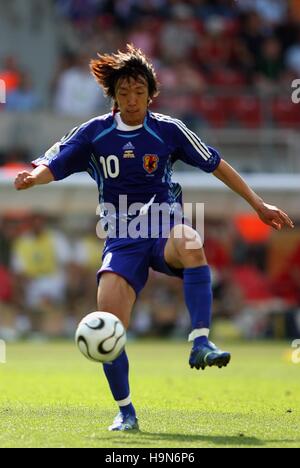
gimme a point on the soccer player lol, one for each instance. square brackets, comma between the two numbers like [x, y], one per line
[131, 152]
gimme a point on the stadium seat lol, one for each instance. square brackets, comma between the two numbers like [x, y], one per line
[227, 78]
[286, 113]
[170, 104]
[247, 111]
[211, 109]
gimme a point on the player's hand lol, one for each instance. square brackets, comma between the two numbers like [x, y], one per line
[24, 181]
[274, 217]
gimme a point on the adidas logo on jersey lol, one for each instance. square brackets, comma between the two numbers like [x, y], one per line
[128, 147]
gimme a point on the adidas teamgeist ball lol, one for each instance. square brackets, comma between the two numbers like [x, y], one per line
[101, 337]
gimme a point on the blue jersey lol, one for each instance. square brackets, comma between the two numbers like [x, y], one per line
[133, 161]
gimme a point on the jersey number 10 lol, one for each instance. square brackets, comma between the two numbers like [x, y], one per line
[110, 166]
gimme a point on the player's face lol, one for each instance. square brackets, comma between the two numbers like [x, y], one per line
[132, 97]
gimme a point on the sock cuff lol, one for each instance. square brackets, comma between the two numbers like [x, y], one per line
[197, 275]
[124, 402]
[197, 333]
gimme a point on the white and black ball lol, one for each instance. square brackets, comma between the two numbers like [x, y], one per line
[101, 337]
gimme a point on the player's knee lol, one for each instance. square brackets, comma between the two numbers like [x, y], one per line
[194, 254]
[188, 243]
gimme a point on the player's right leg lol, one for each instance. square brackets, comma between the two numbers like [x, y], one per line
[184, 253]
[116, 296]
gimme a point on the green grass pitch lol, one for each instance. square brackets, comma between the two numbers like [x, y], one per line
[50, 396]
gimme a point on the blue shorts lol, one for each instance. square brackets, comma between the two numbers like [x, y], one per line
[131, 259]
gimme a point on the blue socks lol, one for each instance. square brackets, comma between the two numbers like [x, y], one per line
[117, 374]
[198, 298]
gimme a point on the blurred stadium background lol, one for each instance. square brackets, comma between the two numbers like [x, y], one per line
[226, 69]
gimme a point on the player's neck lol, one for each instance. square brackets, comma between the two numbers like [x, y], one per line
[132, 123]
[126, 125]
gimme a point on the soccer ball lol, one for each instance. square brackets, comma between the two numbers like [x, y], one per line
[101, 337]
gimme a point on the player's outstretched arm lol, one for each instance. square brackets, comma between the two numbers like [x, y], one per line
[269, 214]
[39, 176]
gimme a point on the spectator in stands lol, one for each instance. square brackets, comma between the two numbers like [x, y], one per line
[207, 9]
[10, 73]
[295, 269]
[39, 260]
[160, 309]
[24, 98]
[66, 61]
[183, 81]
[165, 307]
[231, 42]
[272, 11]
[286, 285]
[287, 282]
[253, 33]
[181, 25]
[15, 161]
[77, 94]
[213, 50]
[295, 9]
[2, 157]
[86, 260]
[243, 61]
[270, 65]
[154, 8]
[292, 57]
[218, 255]
[249, 293]
[123, 11]
[287, 31]
[250, 241]
[144, 35]
[79, 11]
[9, 229]
[8, 313]
[12, 324]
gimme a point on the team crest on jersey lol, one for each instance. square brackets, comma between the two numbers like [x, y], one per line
[151, 163]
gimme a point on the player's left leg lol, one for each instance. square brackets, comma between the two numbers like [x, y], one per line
[116, 296]
[184, 250]
[123, 275]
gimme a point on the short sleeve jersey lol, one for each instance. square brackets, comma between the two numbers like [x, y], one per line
[137, 163]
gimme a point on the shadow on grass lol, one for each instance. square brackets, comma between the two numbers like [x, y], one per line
[155, 439]
[151, 439]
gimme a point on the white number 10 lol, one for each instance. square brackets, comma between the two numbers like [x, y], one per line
[111, 167]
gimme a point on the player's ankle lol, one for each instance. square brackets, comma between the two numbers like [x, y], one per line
[200, 341]
[128, 410]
